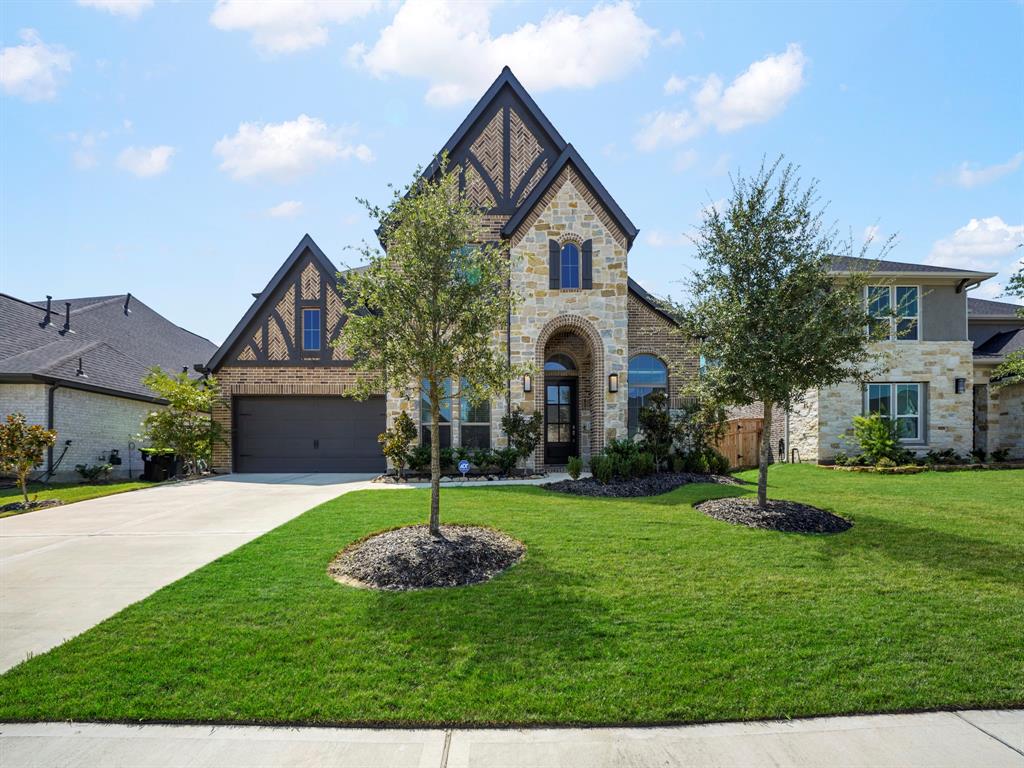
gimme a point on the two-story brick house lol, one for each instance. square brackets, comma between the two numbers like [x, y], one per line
[598, 344]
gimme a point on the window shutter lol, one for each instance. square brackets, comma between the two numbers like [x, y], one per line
[588, 264]
[554, 264]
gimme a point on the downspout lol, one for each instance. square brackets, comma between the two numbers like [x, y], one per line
[49, 424]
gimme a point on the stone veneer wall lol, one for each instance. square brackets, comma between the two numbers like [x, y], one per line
[599, 315]
[1000, 415]
[948, 416]
[803, 427]
[266, 380]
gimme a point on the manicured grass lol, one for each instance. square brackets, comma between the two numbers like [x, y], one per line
[66, 492]
[623, 611]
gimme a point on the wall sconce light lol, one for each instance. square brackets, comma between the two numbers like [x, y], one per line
[613, 382]
[961, 386]
[527, 382]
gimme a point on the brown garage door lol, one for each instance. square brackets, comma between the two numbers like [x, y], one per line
[308, 434]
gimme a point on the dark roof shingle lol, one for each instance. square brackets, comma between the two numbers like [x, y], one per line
[855, 264]
[987, 308]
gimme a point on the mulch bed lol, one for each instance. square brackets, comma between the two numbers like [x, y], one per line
[652, 485]
[410, 558]
[21, 506]
[788, 516]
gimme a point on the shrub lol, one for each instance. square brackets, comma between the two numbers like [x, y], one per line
[644, 465]
[947, 456]
[93, 473]
[876, 436]
[840, 459]
[523, 432]
[978, 455]
[395, 442]
[482, 459]
[601, 467]
[506, 460]
[185, 425]
[419, 458]
[574, 467]
[22, 446]
[717, 463]
[885, 463]
[1000, 455]
[448, 460]
[658, 430]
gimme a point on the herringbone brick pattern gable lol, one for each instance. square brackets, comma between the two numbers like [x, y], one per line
[488, 148]
[310, 282]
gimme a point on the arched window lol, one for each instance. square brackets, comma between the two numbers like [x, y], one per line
[570, 266]
[559, 362]
[647, 374]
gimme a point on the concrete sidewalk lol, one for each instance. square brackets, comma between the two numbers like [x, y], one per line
[65, 569]
[990, 738]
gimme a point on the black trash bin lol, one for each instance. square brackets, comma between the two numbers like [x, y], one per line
[158, 465]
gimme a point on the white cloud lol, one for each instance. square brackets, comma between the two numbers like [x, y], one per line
[451, 46]
[676, 84]
[86, 144]
[983, 244]
[32, 70]
[756, 96]
[287, 26]
[968, 177]
[130, 8]
[673, 38]
[285, 151]
[685, 160]
[289, 209]
[658, 239]
[145, 162]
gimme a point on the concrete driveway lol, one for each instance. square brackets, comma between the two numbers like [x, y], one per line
[65, 569]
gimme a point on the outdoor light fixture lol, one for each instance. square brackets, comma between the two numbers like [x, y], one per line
[961, 386]
[613, 382]
[527, 382]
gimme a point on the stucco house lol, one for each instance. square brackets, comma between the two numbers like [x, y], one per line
[598, 343]
[76, 366]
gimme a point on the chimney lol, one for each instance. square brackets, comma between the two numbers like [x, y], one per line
[67, 318]
[127, 299]
[46, 320]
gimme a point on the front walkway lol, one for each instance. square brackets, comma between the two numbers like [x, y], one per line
[64, 569]
[990, 738]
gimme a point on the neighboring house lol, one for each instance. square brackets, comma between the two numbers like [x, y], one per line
[996, 329]
[76, 366]
[937, 368]
[598, 343]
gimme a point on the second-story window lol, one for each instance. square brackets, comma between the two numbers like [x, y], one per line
[906, 313]
[895, 312]
[311, 329]
[570, 266]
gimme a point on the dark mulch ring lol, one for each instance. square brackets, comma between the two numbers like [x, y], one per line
[786, 516]
[410, 558]
[652, 485]
[21, 506]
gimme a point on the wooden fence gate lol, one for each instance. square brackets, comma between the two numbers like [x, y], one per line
[741, 441]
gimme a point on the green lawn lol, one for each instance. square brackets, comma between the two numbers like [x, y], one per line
[66, 492]
[639, 611]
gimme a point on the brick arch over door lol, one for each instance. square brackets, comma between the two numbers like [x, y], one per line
[585, 329]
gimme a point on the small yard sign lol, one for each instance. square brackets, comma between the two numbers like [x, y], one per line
[463, 467]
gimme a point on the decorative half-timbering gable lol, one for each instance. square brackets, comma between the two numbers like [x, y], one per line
[294, 320]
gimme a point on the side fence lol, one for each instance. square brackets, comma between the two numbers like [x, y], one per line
[740, 442]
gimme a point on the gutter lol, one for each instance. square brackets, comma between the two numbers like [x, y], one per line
[49, 424]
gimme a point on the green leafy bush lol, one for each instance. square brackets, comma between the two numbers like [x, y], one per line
[93, 473]
[185, 425]
[1000, 455]
[22, 446]
[523, 432]
[947, 456]
[419, 458]
[717, 463]
[602, 468]
[644, 465]
[482, 459]
[885, 463]
[840, 459]
[395, 442]
[978, 455]
[877, 437]
[574, 467]
[506, 460]
[658, 430]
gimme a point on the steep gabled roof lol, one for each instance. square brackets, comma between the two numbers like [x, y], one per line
[504, 80]
[571, 156]
[306, 244]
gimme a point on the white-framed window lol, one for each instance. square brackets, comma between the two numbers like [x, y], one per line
[896, 309]
[903, 403]
[474, 420]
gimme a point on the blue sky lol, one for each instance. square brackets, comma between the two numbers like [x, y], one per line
[180, 150]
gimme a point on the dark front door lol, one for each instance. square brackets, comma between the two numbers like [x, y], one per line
[308, 434]
[560, 420]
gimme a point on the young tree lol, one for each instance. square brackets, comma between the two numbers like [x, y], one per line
[22, 446]
[185, 425]
[395, 442]
[771, 319]
[523, 432]
[1011, 370]
[428, 309]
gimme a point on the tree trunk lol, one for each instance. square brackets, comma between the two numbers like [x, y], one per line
[23, 480]
[766, 447]
[435, 461]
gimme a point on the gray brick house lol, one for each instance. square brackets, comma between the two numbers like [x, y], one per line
[76, 366]
[598, 343]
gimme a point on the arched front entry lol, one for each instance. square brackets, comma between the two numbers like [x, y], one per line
[570, 358]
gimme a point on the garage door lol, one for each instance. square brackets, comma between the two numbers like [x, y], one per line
[308, 434]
